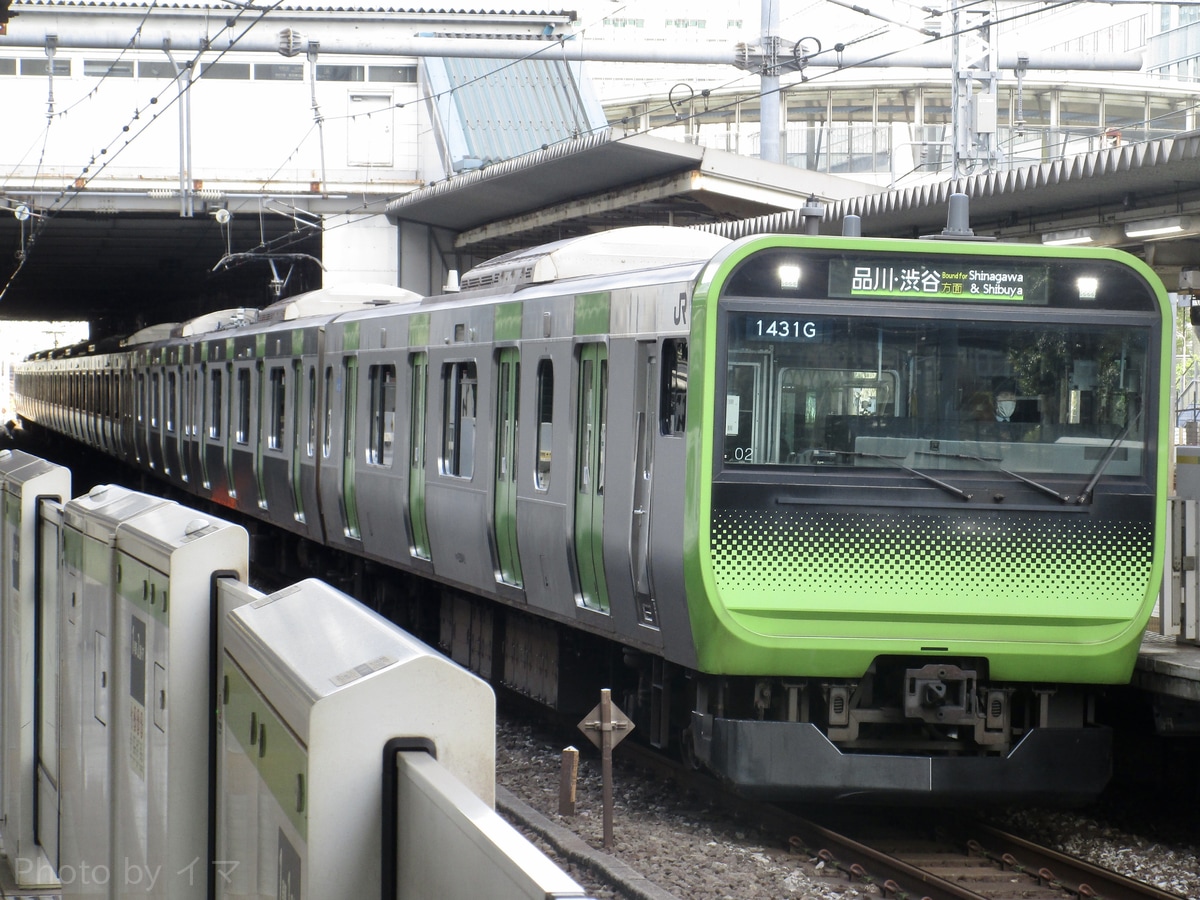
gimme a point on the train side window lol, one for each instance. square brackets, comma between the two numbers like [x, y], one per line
[155, 398]
[383, 415]
[673, 395]
[458, 419]
[189, 405]
[545, 423]
[327, 432]
[278, 409]
[140, 398]
[242, 434]
[311, 447]
[416, 436]
[172, 412]
[214, 430]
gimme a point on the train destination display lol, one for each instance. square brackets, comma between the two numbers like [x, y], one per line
[938, 280]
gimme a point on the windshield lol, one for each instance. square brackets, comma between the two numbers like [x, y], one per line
[811, 390]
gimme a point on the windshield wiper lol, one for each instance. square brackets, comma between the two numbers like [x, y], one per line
[993, 463]
[1085, 496]
[948, 488]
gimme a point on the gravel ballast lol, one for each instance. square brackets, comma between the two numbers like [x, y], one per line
[668, 844]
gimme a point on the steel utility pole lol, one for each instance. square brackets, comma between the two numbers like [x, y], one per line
[769, 103]
[974, 115]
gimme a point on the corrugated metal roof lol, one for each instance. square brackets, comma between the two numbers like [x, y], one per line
[1116, 178]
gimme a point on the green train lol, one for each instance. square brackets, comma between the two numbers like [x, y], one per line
[837, 517]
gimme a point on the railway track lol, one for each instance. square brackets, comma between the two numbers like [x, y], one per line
[916, 854]
[954, 858]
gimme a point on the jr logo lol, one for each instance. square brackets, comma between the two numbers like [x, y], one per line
[681, 309]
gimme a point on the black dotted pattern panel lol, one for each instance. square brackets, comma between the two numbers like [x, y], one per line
[818, 552]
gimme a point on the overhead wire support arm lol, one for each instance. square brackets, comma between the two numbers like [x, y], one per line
[230, 260]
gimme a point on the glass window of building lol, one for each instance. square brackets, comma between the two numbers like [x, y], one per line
[394, 74]
[108, 68]
[1124, 117]
[42, 66]
[155, 69]
[340, 73]
[1169, 115]
[226, 71]
[278, 72]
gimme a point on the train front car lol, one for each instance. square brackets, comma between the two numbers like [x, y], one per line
[926, 512]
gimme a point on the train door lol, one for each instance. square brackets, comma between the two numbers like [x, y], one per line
[644, 423]
[589, 475]
[505, 511]
[348, 497]
[419, 369]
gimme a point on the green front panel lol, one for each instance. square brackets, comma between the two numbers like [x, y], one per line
[775, 583]
[505, 512]
[350, 398]
[589, 476]
[1038, 595]
[416, 456]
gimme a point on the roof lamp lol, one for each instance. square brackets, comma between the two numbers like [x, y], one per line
[789, 277]
[1161, 228]
[1068, 238]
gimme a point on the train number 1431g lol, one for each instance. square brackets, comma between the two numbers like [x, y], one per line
[785, 329]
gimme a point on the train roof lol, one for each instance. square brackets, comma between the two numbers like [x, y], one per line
[151, 334]
[331, 301]
[219, 320]
[605, 252]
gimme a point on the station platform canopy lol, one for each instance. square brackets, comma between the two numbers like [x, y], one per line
[601, 181]
[1100, 198]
